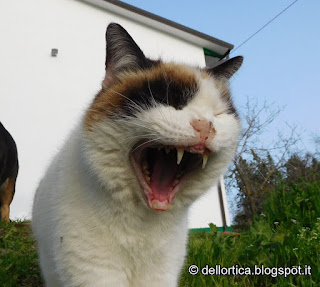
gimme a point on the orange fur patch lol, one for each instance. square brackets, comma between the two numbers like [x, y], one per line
[109, 99]
[6, 197]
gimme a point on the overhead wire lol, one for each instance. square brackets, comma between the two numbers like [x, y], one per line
[264, 26]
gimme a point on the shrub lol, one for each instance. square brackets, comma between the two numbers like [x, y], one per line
[287, 234]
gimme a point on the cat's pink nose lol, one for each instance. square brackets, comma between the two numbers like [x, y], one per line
[204, 128]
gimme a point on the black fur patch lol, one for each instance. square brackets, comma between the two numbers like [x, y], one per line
[163, 91]
[231, 107]
[8, 155]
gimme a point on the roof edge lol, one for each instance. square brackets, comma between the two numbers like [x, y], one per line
[167, 26]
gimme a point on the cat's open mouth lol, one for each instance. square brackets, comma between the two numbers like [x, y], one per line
[161, 170]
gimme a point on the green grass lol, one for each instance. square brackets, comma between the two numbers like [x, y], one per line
[18, 257]
[286, 235]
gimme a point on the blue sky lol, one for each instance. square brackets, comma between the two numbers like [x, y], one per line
[281, 64]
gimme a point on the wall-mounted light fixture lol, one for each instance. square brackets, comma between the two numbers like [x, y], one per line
[54, 52]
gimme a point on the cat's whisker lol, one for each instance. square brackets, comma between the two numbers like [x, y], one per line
[154, 101]
[138, 125]
[144, 136]
[164, 117]
[164, 74]
[145, 143]
[108, 112]
[151, 94]
[132, 103]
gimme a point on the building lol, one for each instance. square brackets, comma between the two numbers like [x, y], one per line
[52, 64]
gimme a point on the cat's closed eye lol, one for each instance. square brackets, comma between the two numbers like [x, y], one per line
[216, 114]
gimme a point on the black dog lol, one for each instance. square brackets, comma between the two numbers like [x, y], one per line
[8, 171]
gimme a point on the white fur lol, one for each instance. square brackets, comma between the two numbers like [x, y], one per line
[93, 226]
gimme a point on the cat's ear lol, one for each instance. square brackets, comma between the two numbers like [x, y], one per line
[122, 53]
[226, 68]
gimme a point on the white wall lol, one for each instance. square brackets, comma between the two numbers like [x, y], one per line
[42, 96]
[206, 210]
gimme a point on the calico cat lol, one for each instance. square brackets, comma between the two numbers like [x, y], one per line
[112, 207]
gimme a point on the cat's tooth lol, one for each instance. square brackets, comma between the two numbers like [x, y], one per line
[147, 178]
[167, 150]
[145, 167]
[180, 152]
[204, 160]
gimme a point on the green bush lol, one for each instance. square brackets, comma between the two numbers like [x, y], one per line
[287, 234]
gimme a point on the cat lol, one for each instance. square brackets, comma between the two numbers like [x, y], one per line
[112, 207]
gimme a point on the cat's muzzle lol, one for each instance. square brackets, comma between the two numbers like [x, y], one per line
[161, 169]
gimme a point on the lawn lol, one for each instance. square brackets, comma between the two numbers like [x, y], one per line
[18, 257]
[287, 235]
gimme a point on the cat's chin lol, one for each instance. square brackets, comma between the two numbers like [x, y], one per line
[162, 169]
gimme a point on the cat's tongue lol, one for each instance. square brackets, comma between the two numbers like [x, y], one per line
[161, 181]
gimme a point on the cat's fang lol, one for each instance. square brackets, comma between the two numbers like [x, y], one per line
[180, 153]
[147, 178]
[145, 168]
[204, 160]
